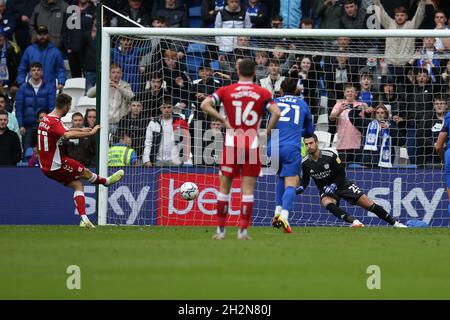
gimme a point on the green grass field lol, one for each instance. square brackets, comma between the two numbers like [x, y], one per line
[184, 263]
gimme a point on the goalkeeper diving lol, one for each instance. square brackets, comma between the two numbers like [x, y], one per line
[328, 172]
[285, 145]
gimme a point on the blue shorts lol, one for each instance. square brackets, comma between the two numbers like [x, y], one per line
[290, 162]
[447, 167]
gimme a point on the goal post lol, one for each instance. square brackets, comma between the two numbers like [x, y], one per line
[400, 189]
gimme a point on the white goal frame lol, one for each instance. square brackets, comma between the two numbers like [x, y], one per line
[107, 32]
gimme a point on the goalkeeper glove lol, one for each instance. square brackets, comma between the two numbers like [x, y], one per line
[299, 190]
[330, 189]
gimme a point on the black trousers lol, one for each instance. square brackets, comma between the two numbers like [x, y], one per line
[75, 64]
[22, 35]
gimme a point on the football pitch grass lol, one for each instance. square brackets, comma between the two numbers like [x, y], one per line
[184, 263]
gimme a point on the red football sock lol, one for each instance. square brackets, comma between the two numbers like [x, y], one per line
[245, 218]
[80, 202]
[96, 179]
[223, 201]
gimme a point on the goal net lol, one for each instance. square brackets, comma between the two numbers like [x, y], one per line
[381, 111]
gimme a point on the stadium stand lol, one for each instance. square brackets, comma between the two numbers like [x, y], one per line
[75, 87]
[85, 103]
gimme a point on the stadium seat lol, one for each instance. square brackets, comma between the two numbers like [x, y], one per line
[67, 119]
[322, 122]
[28, 153]
[195, 22]
[404, 153]
[354, 165]
[323, 104]
[75, 88]
[195, 16]
[215, 65]
[195, 11]
[196, 48]
[335, 140]
[324, 138]
[194, 58]
[67, 69]
[85, 103]
[192, 64]
[22, 164]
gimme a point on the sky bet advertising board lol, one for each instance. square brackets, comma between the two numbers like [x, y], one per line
[150, 196]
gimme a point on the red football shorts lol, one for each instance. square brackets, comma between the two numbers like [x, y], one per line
[70, 170]
[244, 162]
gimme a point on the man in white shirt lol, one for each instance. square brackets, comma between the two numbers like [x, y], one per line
[165, 137]
[441, 44]
[274, 80]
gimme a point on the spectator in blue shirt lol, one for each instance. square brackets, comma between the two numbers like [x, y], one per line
[33, 96]
[9, 62]
[258, 13]
[126, 55]
[291, 11]
[48, 55]
[21, 11]
[366, 94]
[6, 21]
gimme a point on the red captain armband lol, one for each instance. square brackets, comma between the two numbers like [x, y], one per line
[268, 103]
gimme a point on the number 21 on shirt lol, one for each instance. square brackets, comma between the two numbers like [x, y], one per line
[285, 110]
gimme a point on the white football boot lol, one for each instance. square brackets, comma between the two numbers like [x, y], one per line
[399, 225]
[243, 235]
[220, 234]
[357, 224]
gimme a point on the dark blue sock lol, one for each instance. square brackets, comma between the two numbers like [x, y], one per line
[279, 191]
[288, 198]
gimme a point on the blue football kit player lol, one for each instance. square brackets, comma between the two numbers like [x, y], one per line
[295, 121]
[442, 148]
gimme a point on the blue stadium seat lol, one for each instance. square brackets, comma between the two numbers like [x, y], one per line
[195, 11]
[196, 48]
[353, 165]
[215, 65]
[195, 22]
[27, 154]
[22, 164]
[194, 58]
[26, 157]
[192, 64]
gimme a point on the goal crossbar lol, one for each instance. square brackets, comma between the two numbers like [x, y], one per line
[280, 33]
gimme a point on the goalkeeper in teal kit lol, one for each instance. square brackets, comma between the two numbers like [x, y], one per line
[443, 149]
[295, 121]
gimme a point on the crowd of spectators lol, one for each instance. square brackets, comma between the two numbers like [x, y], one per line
[377, 93]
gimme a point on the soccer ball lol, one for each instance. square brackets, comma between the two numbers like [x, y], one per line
[189, 190]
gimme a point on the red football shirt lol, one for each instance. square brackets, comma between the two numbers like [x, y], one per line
[244, 104]
[50, 131]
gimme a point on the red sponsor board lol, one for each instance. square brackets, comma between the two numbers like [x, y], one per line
[174, 210]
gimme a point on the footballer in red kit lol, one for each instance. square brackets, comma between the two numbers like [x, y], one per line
[57, 166]
[244, 104]
[53, 163]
